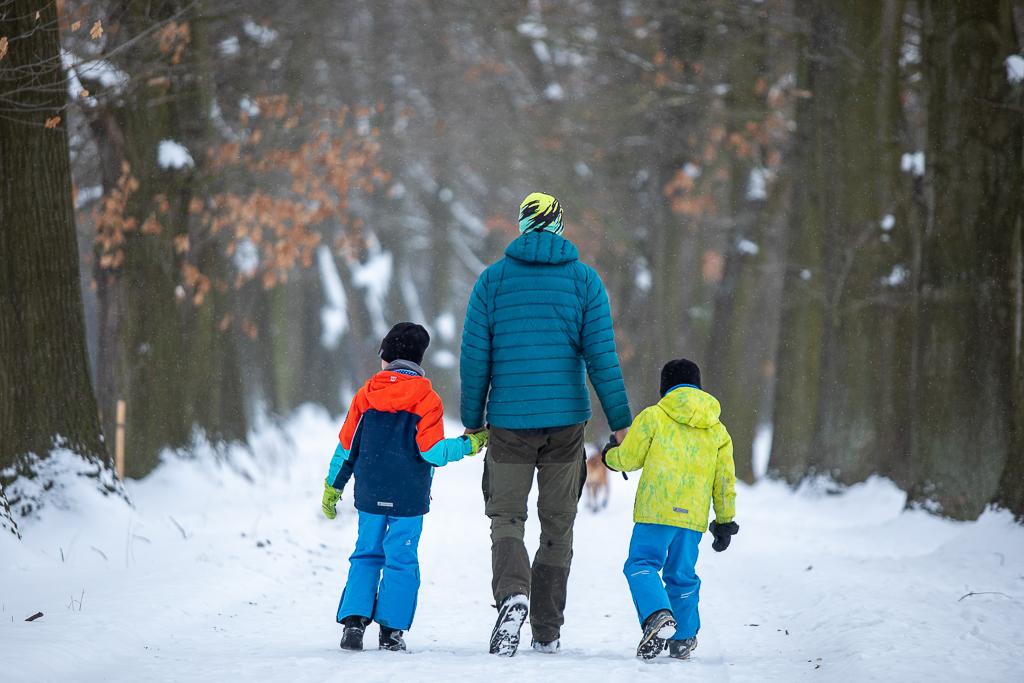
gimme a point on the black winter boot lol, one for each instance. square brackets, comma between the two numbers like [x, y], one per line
[681, 649]
[511, 616]
[352, 638]
[657, 627]
[391, 639]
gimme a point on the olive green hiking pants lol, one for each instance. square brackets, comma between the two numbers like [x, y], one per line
[556, 455]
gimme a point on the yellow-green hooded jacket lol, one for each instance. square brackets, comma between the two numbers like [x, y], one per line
[686, 456]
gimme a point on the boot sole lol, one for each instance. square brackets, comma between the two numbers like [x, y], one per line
[652, 644]
[505, 636]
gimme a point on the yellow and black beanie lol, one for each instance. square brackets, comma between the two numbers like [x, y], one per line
[540, 212]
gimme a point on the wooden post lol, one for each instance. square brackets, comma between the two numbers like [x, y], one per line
[119, 440]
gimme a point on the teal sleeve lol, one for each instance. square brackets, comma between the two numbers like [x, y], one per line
[475, 358]
[447, 450]
[598, 341]
[339, 458]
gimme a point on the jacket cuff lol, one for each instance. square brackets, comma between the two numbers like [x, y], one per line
[620, 422]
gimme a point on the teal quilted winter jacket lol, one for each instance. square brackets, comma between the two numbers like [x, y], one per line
[537, 323]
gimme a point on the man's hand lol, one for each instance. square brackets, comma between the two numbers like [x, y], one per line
[620, 435]
[474, 430]
[330, 501]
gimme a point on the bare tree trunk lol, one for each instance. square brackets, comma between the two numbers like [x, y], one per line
[46, 396]
[964, 397]
[734, 357]
[838, 402]
[161, 347]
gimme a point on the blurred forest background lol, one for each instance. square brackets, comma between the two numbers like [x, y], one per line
[818, 201]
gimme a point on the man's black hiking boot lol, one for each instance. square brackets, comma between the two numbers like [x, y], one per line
[657, 627]
[511, 616]
[352, 638]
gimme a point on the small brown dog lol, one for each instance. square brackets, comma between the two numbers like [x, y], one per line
[597, 483]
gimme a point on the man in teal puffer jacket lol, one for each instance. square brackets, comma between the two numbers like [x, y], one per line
[538, 323]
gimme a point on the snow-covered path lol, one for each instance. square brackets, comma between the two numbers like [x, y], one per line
[815, 587]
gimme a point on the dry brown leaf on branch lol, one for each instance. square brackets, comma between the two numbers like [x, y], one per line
[76, 25]
[152, 226]
[250, 329]
[3, 46]
[96, 32]
[52, 122]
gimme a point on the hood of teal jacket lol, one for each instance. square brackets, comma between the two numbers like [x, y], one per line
[542, 247]
[690, 406]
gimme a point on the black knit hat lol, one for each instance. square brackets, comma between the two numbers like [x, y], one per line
[679, 371]
[405, 341]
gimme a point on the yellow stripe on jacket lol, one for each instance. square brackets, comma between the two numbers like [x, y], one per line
[686, 456]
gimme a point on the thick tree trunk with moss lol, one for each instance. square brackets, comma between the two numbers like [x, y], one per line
[46, 396]
[964, 395]
[162, 349]
[840, 401]
[801, 332]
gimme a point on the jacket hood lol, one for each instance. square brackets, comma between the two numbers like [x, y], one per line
[542, 247]
[693, 407]
[391, 392]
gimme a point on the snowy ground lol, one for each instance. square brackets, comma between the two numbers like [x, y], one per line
[815, 587]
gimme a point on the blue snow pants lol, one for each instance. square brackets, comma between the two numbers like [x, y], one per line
[671, 551]
[384, 571]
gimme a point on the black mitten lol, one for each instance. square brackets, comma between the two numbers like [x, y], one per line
[723, 534]
[612, 443]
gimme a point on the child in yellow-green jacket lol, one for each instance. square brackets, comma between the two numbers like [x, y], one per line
[686, 457]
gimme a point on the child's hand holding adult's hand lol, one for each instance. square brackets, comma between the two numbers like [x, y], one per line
[330, 501]
[723, 534]
[477, 440]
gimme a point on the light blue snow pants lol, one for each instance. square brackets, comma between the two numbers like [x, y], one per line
[384, 571]
[671, 551]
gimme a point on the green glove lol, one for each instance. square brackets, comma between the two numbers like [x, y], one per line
[477, 440]
[330, 502]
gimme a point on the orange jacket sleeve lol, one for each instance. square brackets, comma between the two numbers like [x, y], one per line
[355, 414]
[430, 429]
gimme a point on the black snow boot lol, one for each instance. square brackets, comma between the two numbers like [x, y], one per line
[657, 627]
[391, 639]
[681, 649]
[352, 638]
[511, 616]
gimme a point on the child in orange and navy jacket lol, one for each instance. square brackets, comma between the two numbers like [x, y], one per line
[392, 440]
